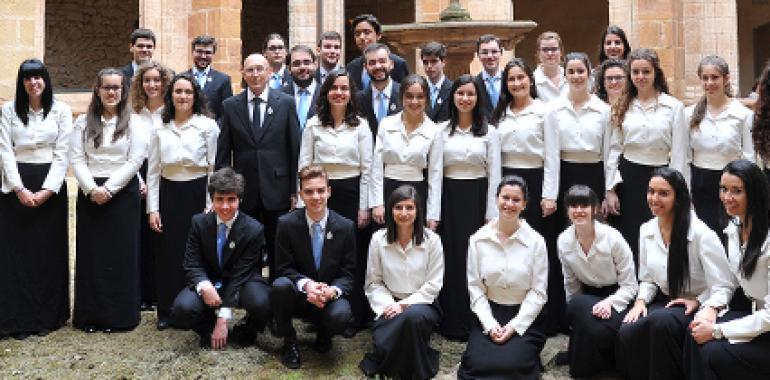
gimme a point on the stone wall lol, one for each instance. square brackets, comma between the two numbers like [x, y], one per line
[21, 37]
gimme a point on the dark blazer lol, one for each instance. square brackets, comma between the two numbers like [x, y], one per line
[285, 77]
[267, 158]
[294, 254]
[128, 73]
[356, 67]
[218, 88]
[440, 112]
[317, 74]
[241, 255]
[366, 108]
[484, 97]
[289, 90]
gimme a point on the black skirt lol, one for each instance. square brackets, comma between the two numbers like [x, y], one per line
[402, 345]
[36, 246]
[107, 261]
[632, 193]
[533, 214]
[518, 358]
[592, 339]
[463, 209]
[705, 198]
[146, 253]
[179, 201]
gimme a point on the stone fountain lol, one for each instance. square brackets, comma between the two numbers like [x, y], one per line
[458, 32]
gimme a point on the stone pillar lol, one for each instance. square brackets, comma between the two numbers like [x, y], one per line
[303, 22]
[332, 15]
[222, 20]
[169, 20]
[22, 27]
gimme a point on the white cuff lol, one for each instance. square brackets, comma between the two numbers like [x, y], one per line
[200, 285]
[301, 284]
[225, 312]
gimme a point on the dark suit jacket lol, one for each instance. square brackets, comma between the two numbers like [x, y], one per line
[484, 97]
[364, 102]
[440, 112]
[356, 67]
[286, 77]
[241, 255]
[267, 158]
[294, 254]
[128, 73]
[289, 90]
[218, 88]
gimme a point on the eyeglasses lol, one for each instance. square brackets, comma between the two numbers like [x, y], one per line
[547, 50]
[275, 47]
[254, 70]
[614, 78]
[111, 88]
[489, 52]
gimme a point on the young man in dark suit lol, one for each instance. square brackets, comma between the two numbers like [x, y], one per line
[315, 258]
[142, 46]
[380, 98]
[274, 48]
[490, 51]
[303, 87]
[215, 84]
[329, 52]
[366, 31]
[223, 267]
[259, 138]
[433, 55]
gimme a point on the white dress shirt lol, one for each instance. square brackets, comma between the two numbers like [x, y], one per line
[497, 82]
[413, 274]
[222, 312]
[376, 96]
[522, 137]
[581, 136]
[547, 90]
[180, 153]
[511, 272]
[402, 156]
[344, 151]
[721, 138]
[654, 135]
[262, 105]
[118, 161]
[41, 141]
[709, 280]
[608, 262]
[469, 157]
[756, 288]
[145, 122]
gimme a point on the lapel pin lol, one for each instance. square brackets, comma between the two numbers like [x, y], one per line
[392, 107]
[269, 110]
[329, 235]
[438, 101]
[232, 244]
[208, 79]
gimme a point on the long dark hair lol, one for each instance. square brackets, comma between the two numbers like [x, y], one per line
[760, 132]
[678, 256]
[755, 186]
[505, 95]
[94, 127]
[324, 109]
[405, 192]
[31, 68]
[616, 30]
[199, 99]
[620, 108]
[479, 123]
[609, 63]
[699, 112]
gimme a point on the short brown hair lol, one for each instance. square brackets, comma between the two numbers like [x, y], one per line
[225, 181]
[312, 171]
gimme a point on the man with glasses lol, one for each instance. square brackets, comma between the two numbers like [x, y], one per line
[303, 87]
[141, 47]
[490, 50]
[380, 98]
[215, 84]
[274, 49]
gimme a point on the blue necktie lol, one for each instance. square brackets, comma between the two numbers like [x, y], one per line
[201, 77]
[317, 243]
[303, 107]
[382, 107]
[365, 80]
[433, 96]
[221, 238]
[494, 95]
[275, 82]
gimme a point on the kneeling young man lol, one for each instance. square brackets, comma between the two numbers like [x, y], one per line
[315, 257]
[223, 265]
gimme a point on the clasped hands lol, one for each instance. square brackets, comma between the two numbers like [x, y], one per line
[501, 334]
[319, 293]
[30, 199]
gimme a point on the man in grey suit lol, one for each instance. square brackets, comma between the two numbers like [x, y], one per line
[216, 85]
[259, 138]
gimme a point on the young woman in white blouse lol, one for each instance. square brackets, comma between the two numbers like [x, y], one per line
[106, 153]
[550, 80]
[614, 44]
[720, 132]
[148, 87]
[35, 133]
[180, 159]
[507, 279]
[404, 274]
[341, 141]
[682, 269]
[407, 151]
[599, 282]
[519, 118]
[648, 131]
[471, 174]
[611, 80]
[737, 345]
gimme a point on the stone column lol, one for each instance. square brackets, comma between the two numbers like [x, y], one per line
[303, 22]
[332, 15]
[169, 20]
[222, 20]
[22, 27]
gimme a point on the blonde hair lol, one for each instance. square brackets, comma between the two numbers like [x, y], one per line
[137, 96]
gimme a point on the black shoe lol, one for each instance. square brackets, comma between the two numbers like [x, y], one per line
[20, 335]
[350, 332]
[322, 344]
[108, 330]
[204, 341]
[162, 324]
[290, 356]
[43, 332]
[147, 306]
[243, 334]
[272, 325]
[562, 358]
[89, 329]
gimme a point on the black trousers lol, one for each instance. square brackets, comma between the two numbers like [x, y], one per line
[288, 302]
[190, 312]
[705, 198]
[269, 219]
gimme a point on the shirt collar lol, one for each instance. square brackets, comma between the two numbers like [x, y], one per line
[422, 130]
[322, 222]
[204, 71]
[250, 95]
[385, 91]
[310, 88]
[228, 223]
[593, 104]
[438, 84]
[524, 234]
[109, 122]
[485, 75]
[541, 78]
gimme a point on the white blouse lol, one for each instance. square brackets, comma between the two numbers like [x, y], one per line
[180, 153]
[512, 272]
[722, 138]
[575, 136]
[414, 275]
[118, 161]
[402, 156]
[756, 288]
[653, 135]
[609, 261]
[522, 137]
[41, 141]
[344, 152]
[709, 273]
[468, 157]
[546, 90]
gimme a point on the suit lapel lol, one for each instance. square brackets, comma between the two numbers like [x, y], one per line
[210, 242]
[231, 242]
[267, 118]
[328, 236]
[393, 106]
[304, 241]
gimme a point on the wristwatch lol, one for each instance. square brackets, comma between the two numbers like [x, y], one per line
[716, 333]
